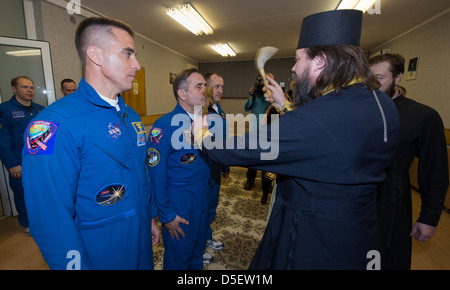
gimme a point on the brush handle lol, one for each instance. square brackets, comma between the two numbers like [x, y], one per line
[266, 84]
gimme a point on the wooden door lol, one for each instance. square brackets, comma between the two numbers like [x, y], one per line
[135, 97]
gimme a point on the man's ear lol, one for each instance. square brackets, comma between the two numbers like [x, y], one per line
[94, 54]
[398, 78]
[319, 62]
[181, 94]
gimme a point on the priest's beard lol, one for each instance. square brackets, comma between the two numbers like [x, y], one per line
[302, 87]
[391, 90]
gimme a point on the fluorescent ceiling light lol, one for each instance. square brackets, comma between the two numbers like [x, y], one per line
[190, 19]
[224, 49]
[362, 5]
[24, 52]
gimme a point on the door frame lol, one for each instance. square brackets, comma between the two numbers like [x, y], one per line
[7, 197]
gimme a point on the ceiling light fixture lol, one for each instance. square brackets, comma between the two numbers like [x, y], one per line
[190, 19]
[24, 52]
[224, 49]
[362, 5]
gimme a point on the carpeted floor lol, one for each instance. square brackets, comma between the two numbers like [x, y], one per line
[239, 224]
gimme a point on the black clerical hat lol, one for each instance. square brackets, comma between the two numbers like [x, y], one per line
[334, 27]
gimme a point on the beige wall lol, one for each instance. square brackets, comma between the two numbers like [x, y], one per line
[430, 42]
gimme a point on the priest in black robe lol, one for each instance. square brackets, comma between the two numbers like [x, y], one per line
[422, 136]
[329, 149]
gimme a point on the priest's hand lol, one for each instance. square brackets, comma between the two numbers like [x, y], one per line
[277, 93]
[422, 232]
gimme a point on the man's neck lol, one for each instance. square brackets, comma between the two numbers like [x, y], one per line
[396, 95]
[26, 103]
[101, 86]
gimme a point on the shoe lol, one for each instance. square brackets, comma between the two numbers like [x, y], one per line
[249, 185]
[214, 244]
[264, 198]
[207, 258]
[27, 231]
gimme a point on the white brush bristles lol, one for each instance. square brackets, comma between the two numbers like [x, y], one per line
[264, 54]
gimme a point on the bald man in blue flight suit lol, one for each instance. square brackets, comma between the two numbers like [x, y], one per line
[86, 184]
[15, 115]
[179, 177]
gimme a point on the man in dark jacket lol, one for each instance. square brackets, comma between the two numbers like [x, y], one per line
[15, 115]
[421, 135]
[334, 146]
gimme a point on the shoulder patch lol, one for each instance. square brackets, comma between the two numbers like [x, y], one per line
[152, 157]
[155, 135]
[41, 137]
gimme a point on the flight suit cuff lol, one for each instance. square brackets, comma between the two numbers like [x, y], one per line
[168, 218]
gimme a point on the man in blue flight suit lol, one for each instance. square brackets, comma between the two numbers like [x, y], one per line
[335, 142]
[179, 176]
[216, 117]
[85, 177]
[15, 115]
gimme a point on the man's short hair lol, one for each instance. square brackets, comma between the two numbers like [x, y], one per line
[181, 81]
[396, 61]
[14, 80]
[208, 76]
[96, 30]
[67, 81]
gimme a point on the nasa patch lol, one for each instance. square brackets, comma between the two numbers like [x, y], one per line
[41, 137]
[152, 157]
[114, 131]
[110, 195]
[189, 137]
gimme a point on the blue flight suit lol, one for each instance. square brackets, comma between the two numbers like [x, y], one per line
[179, 177]
[333, 152]
[86, 184]
[14, 119]
[216, 169]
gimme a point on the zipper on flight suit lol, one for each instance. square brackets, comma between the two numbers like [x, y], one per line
[124, 116]
[123, 165]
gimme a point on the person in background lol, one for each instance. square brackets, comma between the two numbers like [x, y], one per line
[85, 177]
[179, 176]
[15, 115]
[402, 90]
[335, 142]
[258, 105]
[422, 136]
[68, 86]
[217, 117]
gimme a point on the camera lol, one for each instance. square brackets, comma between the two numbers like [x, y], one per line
[258, 87]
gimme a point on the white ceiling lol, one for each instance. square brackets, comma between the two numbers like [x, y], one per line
[249, 24]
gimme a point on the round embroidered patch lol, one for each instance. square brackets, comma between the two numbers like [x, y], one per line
[110, 195]
[188, 158]
[152, 157]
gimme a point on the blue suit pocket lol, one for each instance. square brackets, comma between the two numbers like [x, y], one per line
[106, 221]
